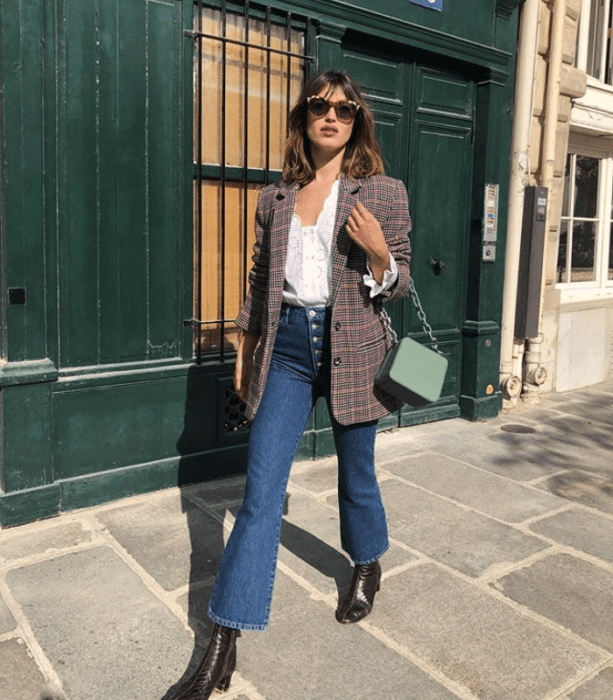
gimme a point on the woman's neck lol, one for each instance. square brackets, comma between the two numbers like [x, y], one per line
[327, 168]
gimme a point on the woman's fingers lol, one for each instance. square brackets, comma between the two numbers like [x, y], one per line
[242, 377]
[359, 216]
[364, 229]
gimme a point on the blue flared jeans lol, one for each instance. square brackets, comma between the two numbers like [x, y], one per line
[299, 374]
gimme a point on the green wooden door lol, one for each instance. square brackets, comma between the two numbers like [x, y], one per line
[425, 118]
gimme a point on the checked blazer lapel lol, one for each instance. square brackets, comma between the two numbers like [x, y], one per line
[284, 205]
[341, 243]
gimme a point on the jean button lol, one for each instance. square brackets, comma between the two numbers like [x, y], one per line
[315, 338]
[311, 313]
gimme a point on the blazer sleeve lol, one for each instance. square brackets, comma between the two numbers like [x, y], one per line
[250, 317]
[396, 231]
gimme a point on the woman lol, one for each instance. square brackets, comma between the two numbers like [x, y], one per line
[331, 246]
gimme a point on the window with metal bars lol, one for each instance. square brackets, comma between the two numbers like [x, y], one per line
[250, 65]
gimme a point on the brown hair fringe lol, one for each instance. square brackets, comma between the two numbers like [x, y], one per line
[362, 156]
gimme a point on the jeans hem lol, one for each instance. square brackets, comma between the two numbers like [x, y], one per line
[245, 626]
[370, 561]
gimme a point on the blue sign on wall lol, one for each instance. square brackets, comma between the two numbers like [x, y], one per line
[432, 4]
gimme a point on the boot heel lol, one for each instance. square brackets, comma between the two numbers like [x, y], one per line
[224, 684]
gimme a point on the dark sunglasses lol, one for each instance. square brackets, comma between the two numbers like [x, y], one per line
[345, 110]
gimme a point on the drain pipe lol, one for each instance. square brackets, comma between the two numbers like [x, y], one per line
[527, 50]
[536, 374]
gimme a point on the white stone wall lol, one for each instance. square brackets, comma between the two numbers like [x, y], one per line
[582, 357]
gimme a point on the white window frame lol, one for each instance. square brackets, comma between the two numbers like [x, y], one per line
[601, 287]
[585, 24]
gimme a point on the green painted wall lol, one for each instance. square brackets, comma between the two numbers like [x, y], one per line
[98, 395]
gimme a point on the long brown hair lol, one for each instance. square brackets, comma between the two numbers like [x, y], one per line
[362, 157]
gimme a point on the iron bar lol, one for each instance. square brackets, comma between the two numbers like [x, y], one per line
[222, 327]
[268, 37]
[246, 154]
[288, 93]
[199, 186]
[307, 46]
[268, 49]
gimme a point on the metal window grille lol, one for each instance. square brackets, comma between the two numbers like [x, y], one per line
[250, 64]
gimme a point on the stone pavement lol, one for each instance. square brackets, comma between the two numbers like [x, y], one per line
[498, 586]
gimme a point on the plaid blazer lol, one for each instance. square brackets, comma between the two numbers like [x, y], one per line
[359, 339]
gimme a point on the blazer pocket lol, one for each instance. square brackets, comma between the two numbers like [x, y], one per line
[373, 344]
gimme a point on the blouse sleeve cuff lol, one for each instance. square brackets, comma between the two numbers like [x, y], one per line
[389, 277]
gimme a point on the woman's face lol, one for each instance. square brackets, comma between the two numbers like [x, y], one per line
[327, 134]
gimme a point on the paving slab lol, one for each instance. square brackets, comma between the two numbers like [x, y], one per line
[195, 603]
[316, 477]
[7, 622]
[594, 397]
[217, 493]
[581, 487]
[519, 457]
[106, 635]
[33, 541]
[595, 413]
[310, 542]
[321, 476]
[171, 538]
[462, 539]
[20, 677]
[486, 492]
[584, 530]
[572, 592]
[479, 641]
[599, 688]
[531, 415]
[306, 655]
[585, 440]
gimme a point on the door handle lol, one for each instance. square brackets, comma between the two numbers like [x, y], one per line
[437, 265]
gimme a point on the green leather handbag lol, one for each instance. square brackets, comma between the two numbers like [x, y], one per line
[410, 371]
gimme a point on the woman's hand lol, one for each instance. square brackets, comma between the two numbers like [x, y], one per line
[244, 363]
[366, 232]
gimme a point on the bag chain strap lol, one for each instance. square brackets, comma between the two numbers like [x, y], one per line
[421, 314]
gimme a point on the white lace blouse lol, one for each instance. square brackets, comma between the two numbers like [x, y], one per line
[308, 269]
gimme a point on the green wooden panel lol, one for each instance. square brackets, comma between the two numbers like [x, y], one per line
[133, 227]
[26, 437]
[445, 94]
[79, 151]
[381, 78]
[109, 184]
[30, 504]
[98, 429]
[104, 423]
[122, 185]
[164, 99]
[50, 174]
[21, 127]
[440, 219]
